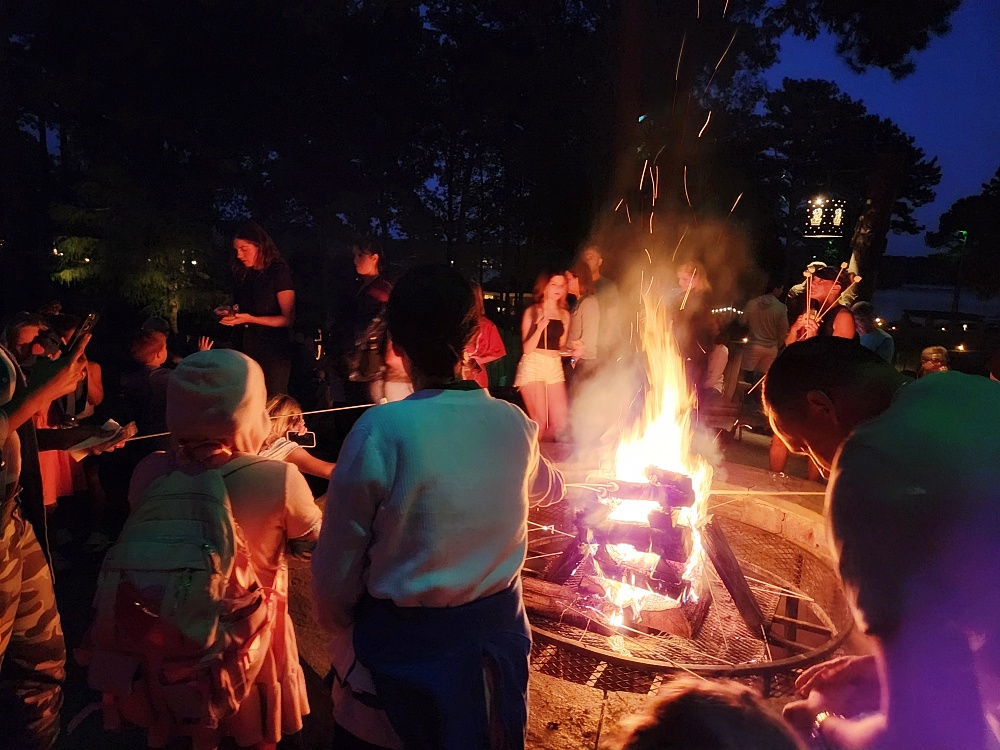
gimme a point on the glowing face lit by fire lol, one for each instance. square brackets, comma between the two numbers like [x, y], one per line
[555, 290]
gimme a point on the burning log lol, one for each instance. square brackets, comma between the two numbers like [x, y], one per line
[731, 573]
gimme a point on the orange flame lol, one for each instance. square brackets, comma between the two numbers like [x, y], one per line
[662, 436]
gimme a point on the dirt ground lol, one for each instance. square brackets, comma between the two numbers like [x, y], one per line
[563, 715]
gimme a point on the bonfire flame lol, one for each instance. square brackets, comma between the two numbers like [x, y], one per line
[661, 438]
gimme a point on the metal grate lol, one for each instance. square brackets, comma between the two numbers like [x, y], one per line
[785, 580]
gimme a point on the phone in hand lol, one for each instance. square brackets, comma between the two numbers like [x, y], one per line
[302, 439]
[87, 326]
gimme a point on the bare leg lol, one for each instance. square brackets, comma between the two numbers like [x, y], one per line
[534, 400]
[558, 409]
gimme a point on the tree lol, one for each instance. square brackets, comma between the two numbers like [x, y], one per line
[969, 231]
[474, 125]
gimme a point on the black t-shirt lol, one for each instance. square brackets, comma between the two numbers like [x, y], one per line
[257, 291]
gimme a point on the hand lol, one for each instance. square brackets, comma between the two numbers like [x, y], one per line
[806, 326]
[205, 343]
[236, 319]
[848, 685]
[61, 375]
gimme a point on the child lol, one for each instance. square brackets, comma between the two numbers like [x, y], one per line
[286, 416]
[216, 415]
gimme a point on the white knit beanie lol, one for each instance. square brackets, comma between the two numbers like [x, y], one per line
[218, 396]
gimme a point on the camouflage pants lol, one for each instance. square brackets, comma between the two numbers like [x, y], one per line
[32, 650]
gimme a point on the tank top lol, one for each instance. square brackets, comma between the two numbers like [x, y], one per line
[550, 337]
[826, 325]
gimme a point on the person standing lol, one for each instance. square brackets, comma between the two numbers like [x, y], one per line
[766, 319]
[869, 334]
[485, 347]
[364, 329]
[32, 648]
[585, 322]
[540, 377]
[416, 570]
[609, 335]
[265, 297]
[824, 288]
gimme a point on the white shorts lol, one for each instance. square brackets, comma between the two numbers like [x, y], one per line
[758, 358]
[536, 367]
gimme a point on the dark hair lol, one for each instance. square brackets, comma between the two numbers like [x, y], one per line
[368, 245]
[146, 345]
[431, 315]
[254, 233]
[694, 713]
[582, 272]
[821, 363]
[63, 324]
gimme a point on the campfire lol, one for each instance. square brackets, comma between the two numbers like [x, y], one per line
[635, 564]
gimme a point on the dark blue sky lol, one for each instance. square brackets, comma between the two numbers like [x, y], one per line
[950, 104]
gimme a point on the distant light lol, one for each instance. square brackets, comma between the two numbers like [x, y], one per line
[86, 260]
[642, 117]
[746, 340]
[825, 217]
[194, 262]
[892, 328]
[965, 326]
[943, 328]
[961, 347]
[55, 251]
[878, 321]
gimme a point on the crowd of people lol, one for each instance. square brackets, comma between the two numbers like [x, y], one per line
[417, 544]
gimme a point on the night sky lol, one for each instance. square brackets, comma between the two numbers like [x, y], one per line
[949, 104]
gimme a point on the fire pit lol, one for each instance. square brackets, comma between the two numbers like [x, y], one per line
[780, 555]
[647, 568]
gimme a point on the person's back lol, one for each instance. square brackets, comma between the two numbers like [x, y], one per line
[452, 524]
[271, 502]
[766, 318]
[417, 566]
[216, 414]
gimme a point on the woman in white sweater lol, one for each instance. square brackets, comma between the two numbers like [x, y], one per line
[424, 537]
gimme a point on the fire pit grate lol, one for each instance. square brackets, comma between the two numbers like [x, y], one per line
[798, 594]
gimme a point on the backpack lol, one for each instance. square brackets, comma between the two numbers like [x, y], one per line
[366, 361]
[182, 625]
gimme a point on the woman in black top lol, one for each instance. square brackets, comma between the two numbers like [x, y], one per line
[266, 300]
[540, 377]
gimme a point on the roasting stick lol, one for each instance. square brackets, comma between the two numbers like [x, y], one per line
[834, 303]
[843, 267]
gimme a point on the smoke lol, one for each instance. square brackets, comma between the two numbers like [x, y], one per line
[702, 265]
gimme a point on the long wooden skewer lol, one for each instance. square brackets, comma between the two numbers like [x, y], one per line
[834, 303]
[843, 267]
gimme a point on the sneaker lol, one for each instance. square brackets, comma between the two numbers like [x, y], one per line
[98, 541]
